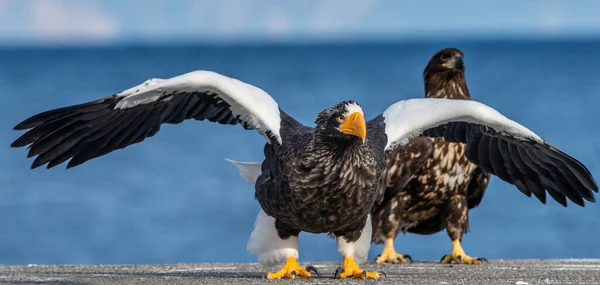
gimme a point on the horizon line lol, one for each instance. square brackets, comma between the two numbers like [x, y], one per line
[292, 41]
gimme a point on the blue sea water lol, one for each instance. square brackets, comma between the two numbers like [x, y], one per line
[174, 198]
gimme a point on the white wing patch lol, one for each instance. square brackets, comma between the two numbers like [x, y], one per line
[250, 171]
[409, 118]
[249, 103]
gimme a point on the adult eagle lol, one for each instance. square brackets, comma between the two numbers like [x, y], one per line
[431, 184]
[319, 180]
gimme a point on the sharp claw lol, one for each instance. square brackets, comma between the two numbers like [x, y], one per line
[311, 268]
[382, 273]
[483, 259]
[408, 257]
[443, 257]
[459, 258]
[293, 273]
[364, 274]
[338, 271]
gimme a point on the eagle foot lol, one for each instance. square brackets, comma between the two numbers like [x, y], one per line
[395, 258]
[352, 270]
[458, 255]
[291, 270]
[389, 255]
[449, 258]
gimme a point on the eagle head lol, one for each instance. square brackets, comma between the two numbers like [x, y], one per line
[345, 120]
[448, 59]
[444, 75]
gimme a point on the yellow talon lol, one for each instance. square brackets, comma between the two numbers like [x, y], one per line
[291, 269]
[458, 255]
[389, 254]
[351, 269]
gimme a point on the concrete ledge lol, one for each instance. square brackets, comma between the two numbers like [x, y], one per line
[568, 271]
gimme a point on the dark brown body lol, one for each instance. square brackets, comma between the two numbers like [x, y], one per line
[430, 183]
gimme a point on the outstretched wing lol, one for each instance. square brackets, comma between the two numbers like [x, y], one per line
[89, 130]
[495, 143]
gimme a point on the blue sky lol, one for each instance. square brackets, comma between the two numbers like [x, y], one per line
[110, 21]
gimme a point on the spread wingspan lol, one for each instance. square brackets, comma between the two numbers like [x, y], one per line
[89, 130]
[497, 144]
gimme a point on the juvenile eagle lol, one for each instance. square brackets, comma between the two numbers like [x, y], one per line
[431, 184]
[318, 180]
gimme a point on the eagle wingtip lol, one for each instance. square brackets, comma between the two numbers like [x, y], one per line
[71, 164]
[594, 186]
[15, 144]
[20, 126]
[21, 142]
[29, 123]
[592, 198]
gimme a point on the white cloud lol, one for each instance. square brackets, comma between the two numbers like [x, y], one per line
[220, 18]
[57, 21]
[278, 23]
[233, 15]
[551, 17]
[102, 21]
[331, 16]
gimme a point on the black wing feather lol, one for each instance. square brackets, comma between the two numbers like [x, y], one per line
[529, 165]
[45, 117]
[512, 172]
[557, 177]
[483, 154]
[85, 131]
[523, 172]
[500, 165]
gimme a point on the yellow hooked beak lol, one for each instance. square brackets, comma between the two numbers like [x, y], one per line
[354, 125]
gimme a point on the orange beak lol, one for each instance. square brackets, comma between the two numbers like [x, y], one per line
[355, 125]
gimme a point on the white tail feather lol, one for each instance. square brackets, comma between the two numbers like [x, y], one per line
[248, 170]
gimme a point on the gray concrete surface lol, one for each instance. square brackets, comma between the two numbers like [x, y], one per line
[575, 271]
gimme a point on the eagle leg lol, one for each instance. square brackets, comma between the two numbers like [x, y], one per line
[457, 222]
[351, 270]
[458, 255]
[389, 254]
[291, 269]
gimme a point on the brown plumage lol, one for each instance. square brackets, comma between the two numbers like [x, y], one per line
[431, 185]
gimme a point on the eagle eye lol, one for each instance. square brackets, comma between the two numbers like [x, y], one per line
[444, 57]
[340, 119]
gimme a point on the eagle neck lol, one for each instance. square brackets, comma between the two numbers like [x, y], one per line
[446, 84]
[340, 153]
